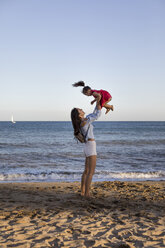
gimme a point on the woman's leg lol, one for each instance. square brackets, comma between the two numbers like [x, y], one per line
[84, 175]
[91, 164]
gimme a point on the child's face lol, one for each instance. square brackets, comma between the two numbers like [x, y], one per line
[88, 93]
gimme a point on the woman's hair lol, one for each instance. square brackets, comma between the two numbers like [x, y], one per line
[81, 83]
[76, 121]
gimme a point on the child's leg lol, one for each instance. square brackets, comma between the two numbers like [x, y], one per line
[107, 106]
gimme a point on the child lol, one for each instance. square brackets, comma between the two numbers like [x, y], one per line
[101, 96]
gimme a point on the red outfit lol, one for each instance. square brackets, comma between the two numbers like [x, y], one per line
[104, 96]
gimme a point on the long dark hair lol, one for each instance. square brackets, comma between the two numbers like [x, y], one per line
[76, 120]
[81, 83]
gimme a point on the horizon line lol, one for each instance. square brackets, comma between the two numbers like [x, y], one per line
[97, 121]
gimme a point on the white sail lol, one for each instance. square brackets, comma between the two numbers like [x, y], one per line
[12, 119]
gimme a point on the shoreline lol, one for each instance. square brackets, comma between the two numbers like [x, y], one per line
[53, 214]
[93, 181]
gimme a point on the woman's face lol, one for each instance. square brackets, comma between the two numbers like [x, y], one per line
[81, 113]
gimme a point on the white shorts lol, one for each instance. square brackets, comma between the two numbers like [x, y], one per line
[90, 148]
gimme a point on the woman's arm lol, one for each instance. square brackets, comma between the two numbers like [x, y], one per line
[95, 115]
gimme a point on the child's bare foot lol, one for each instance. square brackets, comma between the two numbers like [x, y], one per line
[107, 111]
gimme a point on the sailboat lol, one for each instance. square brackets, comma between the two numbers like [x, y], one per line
[12, 119]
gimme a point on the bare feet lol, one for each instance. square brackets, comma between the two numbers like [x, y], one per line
[87, 197]
[107, 111]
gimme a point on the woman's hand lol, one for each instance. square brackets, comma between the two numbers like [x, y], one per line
[98, 106]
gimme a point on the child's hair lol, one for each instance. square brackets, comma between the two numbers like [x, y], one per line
[81, 83]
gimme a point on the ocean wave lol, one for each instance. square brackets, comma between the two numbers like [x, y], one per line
[31, 145]
[131, 175]
[76, 175]
[134, 142]
[17, 145]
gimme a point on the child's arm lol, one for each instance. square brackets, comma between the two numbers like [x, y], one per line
[97, 97]
[92, 102]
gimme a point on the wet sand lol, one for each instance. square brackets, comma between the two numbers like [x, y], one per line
[118, 215]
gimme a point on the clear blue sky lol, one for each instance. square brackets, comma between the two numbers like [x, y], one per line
[116, 45]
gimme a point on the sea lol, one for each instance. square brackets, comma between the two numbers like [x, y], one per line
[48, 152]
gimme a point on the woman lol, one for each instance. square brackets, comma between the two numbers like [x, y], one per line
[80, 122]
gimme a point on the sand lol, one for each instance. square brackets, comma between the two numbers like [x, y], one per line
[119, 215]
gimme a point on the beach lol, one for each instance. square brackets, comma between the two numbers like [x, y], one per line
[51, 214]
